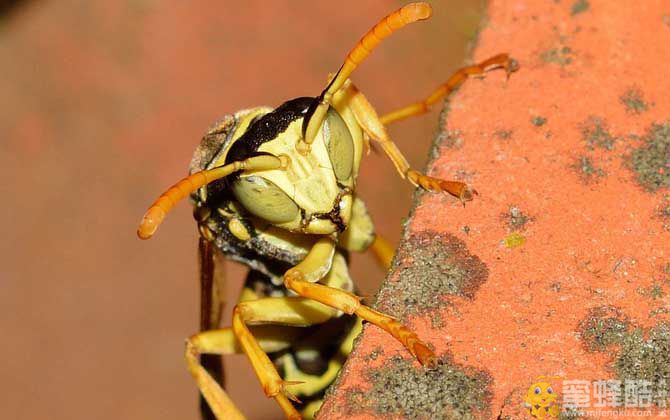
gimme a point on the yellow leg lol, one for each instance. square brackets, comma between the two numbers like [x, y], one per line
[217, 399]
[298, 279]
[292, 311]
[383, 251]
[369, 120]
[273, 385]
[499, 61]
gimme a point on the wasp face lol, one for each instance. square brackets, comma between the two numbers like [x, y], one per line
[314, 193]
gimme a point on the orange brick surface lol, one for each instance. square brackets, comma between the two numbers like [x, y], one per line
[560, 268]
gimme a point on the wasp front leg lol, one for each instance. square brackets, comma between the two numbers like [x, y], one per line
[303, 277]
[367, 118]
[503, 61]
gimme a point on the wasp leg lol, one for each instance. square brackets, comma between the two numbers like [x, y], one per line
[217, 342]
[369, 120]
[292, 311]
[300, 278]
[503, 61]
[382, 251]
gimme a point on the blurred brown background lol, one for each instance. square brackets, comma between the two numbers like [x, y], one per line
[101, 106]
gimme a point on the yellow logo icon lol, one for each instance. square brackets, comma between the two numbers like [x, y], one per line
[542, 400]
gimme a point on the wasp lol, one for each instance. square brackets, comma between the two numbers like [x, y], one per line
[275, 189]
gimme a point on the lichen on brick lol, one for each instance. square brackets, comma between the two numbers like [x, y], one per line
[515, 218]
[663, 209]
[645, 355]
[538, 121]
[503, 134]
[431, 266]
[561, 56]
[638, 353]
[633, 100]
[374, 354]
[514, 240]
[651, 161]
[603, 327]
[655, 291]
[595, 132]
[579, 6]
[354, 400]
[451, 139]
[587, 170]
[449, 391]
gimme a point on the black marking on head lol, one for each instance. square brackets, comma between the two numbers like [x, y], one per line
[334, 214]
[268, 127]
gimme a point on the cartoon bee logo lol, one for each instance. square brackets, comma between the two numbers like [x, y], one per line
[542, 400]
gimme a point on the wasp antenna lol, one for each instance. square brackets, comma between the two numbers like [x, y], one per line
[405, 15]
[160, 208]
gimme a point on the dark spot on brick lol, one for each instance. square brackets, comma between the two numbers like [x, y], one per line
[503, 134]
[666, 268]
[449, 391]
[587, 170]
[651, 161]
[451, 139]
[595, 133]
[579, 6]
[515, 218]
[633, 101]
[538, 121]
[603, 327]
[374, 354]
[664, 212]
[556, 287]
[466, 229]
[655, 291]
[431, 266]
[561, 56]
[659, 311]
[436, 320]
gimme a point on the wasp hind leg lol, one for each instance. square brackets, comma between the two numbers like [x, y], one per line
[291, 311]
[503, 61]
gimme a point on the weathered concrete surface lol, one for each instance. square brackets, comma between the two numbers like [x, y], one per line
[561, 266]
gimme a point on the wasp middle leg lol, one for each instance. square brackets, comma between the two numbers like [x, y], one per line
[503, 61]
[303, 277]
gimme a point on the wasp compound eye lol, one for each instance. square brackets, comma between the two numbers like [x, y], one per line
[340, 145]
[264, 199]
